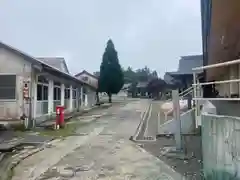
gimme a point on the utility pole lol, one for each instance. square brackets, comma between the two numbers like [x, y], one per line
[176, 116]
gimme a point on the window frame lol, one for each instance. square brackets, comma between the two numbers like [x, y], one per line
[42, 85]
[67, 93]
[10, 74]
[58, 93]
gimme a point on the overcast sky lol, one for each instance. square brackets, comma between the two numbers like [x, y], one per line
[145, 32]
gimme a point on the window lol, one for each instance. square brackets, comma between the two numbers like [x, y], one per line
[7, 86]
[57, 93]
[39, 92]
[42, 79]
[57, 84]
[67, 94]
[74, 94]
[42, 92]
[85, 78]
[84, 90]
[45, 92]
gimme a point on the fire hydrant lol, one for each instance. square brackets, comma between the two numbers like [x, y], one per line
[59, 117]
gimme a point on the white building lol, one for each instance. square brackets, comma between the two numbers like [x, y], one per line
[92, 81]
[33, 87]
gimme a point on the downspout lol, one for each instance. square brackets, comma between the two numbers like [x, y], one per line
[31, 99]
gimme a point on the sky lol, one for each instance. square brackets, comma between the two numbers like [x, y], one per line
[154, 33]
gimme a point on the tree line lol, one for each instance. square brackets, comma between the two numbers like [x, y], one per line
[139, 75]
[112, 76]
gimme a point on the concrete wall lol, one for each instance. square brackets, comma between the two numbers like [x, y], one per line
[11, 63]
[221, 147]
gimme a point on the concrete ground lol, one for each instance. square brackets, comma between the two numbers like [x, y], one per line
[100, 150]
[190, 168]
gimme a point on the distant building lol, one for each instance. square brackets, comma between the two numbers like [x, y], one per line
[57, 62]
[142, 89]
[92, 81]
[125, 90]
[88, 78]
[184, 75]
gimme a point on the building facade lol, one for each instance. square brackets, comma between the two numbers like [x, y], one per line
[32, 88]
[92, 81]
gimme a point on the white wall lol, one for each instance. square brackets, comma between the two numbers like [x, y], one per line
[12, 63]
[91, 80]
[220, 146]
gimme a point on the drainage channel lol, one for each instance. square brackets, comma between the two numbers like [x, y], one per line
[141, 136]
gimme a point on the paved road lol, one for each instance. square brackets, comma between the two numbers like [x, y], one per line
[104, 153]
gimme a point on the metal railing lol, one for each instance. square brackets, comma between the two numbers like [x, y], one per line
[197, 85]
[220, 133]
[183, 103]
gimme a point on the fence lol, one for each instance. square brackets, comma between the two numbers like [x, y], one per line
[221, 147]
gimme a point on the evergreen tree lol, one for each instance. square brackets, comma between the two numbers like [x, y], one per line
[111, 77]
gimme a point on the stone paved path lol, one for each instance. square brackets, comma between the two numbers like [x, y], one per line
[105, 153]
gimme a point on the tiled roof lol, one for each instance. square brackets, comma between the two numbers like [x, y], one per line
[187, 63]
[85, 72]
[57, 62]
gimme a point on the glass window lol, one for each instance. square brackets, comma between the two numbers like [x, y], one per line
[39, 92]
[57, 84]
[84, 90]
[56, 93]
[45, 92]
[67, 94]
[7, 86]
[42, 79]
[74, 94]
